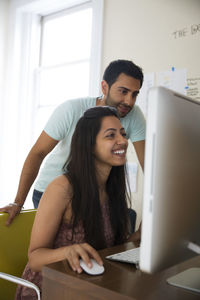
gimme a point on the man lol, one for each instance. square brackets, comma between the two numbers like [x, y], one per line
[121, 83]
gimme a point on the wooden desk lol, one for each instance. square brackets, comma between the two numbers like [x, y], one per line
[120, 281]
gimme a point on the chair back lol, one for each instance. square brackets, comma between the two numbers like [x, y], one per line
[14, 243]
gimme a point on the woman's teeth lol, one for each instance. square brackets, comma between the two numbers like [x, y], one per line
[119, 152]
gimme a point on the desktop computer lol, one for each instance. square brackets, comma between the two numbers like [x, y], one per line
[171, 201]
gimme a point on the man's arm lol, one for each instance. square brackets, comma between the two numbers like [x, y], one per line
[140, 150]
[41, 148]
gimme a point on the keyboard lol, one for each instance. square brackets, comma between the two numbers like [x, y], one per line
[129, 256]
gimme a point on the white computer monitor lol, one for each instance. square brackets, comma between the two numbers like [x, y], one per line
[171, 202]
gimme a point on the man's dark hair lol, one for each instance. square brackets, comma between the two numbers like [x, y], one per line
[81, 171]
[117, 67]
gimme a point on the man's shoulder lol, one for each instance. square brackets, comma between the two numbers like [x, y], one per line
[134, 124]
[77, 102]
[71, 110]
[134, 111]
[134, 119]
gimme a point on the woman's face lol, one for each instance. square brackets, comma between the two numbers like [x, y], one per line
[111, 143]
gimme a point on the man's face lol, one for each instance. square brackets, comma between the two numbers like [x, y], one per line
[122, 94]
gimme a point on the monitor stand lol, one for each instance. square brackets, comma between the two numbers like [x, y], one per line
[188, 279]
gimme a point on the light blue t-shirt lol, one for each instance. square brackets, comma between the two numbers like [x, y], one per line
[61, 126]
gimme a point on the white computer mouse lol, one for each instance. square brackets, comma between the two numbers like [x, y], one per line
[95, 270]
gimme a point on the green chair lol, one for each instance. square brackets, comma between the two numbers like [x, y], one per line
[14, 242]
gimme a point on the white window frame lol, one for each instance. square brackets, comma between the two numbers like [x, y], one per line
[24, 35]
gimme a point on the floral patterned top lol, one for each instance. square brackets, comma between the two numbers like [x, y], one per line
[64, 237]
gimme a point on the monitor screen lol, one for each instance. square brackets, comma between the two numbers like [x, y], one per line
[171, 204]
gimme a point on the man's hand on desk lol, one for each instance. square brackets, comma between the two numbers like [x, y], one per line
[136, 237]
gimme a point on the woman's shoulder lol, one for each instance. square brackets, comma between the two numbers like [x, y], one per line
[61, 185]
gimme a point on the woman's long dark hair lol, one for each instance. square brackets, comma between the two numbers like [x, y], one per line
[81, 172]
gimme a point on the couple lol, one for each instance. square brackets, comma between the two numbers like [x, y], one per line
[120, 86]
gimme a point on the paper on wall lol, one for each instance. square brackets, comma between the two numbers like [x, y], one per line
[149, 81]
[176, 80]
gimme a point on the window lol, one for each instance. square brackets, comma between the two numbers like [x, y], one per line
[54, 54]
[65, 57]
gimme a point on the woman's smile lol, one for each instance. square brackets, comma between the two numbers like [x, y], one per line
[120, 152]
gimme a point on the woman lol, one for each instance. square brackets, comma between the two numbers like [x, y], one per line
[85, 209]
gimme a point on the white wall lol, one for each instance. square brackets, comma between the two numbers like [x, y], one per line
[155, 34]
[143, 31]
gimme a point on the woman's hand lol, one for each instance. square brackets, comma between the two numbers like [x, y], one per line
[84, 251]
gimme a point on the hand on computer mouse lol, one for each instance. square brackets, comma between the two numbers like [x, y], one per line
[84, 251]
[96, 269]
